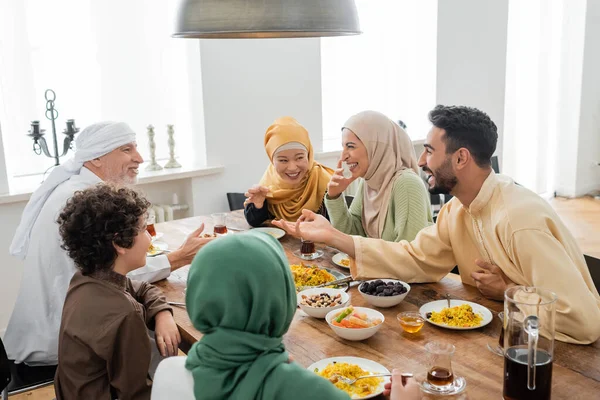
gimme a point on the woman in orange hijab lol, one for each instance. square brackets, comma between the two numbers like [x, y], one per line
[292, 182]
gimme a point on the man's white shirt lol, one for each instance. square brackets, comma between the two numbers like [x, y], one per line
[32, 332]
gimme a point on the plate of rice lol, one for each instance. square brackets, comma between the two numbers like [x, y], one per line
[353, 367]
[341, 260]
[313, 275]
[461, 315]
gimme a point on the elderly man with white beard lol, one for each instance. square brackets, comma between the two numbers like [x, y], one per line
[107, 152]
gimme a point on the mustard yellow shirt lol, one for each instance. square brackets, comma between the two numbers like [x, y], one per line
[509, 226]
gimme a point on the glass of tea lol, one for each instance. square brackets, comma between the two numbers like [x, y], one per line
[308, 251]
[150, 225]
[219, 223]
[498, 347]
[440, 377]
[440, 364]
[411, 321]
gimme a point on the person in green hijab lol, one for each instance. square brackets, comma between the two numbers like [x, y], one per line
[241, 296]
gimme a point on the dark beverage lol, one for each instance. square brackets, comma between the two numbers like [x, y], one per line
[308, 247]
[440, 376]
[501, 339]
[515, 375]
[151, 230]
[220, 229]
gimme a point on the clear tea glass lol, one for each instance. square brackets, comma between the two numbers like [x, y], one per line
[150, 225]
[219, 223]
[439, 361]
[497, 347]
[308, 251]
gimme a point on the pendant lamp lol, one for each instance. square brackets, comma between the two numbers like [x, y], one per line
[236, 19]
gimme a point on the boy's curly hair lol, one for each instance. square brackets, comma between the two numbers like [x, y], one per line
[96, 218]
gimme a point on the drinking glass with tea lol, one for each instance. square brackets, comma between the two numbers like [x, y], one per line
[498, 347]
[529, 343]
[219, 223]
[440, 376]
[308, 251]
[150, 225]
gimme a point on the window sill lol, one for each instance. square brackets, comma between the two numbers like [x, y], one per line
[21, 188]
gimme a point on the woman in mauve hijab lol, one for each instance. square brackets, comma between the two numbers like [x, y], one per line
[391, 202]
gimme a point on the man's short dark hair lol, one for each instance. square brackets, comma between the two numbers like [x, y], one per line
[95, 218]
[469, 128]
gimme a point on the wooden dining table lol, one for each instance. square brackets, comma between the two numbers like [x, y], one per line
[576, 369]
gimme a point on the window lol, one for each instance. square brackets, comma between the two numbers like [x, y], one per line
[533, 79]
[106, 60]
[390, 68]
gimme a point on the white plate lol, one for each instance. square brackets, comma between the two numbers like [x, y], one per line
[337, 260]
[275, 232]
[437, 306]
[365, 364]
[158, 236]
[161, 248]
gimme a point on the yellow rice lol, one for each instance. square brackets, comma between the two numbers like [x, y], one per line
[358, 389]
[460, 316]
[310, 276]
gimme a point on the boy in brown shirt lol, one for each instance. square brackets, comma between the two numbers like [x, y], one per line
[104, 349]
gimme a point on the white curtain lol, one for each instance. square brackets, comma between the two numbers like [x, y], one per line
[390, 68]
[533, 76]
[106, 60]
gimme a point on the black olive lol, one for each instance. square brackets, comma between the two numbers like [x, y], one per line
[428, 315]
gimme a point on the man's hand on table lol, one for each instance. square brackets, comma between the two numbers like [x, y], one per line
[186, 252]
[315, 227]
[491, 281]
[166, 334]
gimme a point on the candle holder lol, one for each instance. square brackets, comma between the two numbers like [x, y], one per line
[172, 163]
[153, 166]
[37, 134]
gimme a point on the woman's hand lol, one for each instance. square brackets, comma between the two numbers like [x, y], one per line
[310, 226]
[338, 183]
[166, 334]
[256, 195]
[402, 389]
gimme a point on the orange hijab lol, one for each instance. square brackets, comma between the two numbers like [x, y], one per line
[286, 201]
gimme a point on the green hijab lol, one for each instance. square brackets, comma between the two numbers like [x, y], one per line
[241, 296]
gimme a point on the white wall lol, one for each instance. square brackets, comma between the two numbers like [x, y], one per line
[588, 154]
[247, 84]
[471, 56]
[3, 172]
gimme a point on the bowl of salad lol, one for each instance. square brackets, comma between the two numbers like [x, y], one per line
[355, 323]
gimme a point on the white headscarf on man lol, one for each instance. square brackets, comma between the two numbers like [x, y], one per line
[94, 141]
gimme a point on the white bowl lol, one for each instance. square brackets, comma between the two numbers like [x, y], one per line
[321, 312]
[356, 333]
[385, 301]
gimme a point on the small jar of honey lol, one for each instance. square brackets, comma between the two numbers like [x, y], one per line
[411, 321]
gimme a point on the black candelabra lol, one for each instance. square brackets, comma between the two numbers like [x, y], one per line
[37, 134]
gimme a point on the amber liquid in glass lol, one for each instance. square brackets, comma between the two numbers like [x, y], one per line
[151, 230]
[412, 324]
[220, 229]
[440, 376]
[307, 248]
